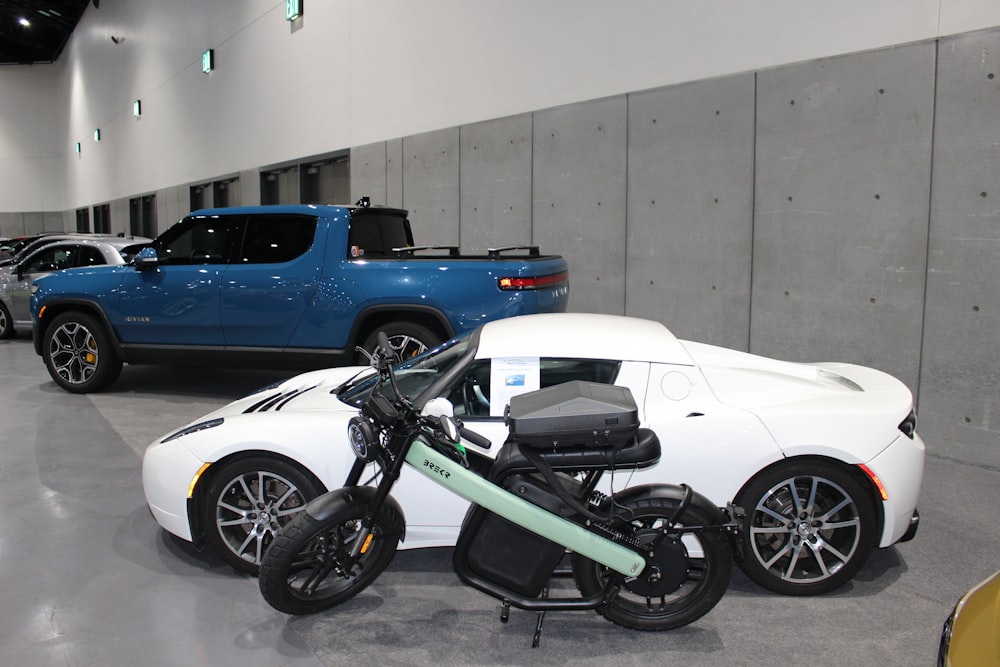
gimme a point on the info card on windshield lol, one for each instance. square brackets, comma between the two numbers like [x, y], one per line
[510, 376]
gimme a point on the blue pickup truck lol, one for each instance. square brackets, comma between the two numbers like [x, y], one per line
[295, 287]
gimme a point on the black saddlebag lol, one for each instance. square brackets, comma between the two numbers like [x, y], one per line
[574, 414]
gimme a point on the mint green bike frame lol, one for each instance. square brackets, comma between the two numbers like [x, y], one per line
[476, 489]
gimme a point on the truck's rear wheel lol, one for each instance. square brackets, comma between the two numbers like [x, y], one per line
[408, 339]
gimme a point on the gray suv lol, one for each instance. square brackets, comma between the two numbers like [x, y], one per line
[70, 253]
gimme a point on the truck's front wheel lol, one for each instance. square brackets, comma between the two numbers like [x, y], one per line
[78, 353]
[408, 339]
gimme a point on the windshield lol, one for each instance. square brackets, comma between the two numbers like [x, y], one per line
[413, 375]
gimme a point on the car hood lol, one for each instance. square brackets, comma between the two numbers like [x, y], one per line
[308, 392]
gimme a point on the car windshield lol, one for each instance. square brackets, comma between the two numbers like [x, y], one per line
[413, 375]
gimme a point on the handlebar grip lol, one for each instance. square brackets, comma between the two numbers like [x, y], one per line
[475, 438]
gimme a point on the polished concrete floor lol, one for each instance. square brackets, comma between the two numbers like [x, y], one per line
[88, 579]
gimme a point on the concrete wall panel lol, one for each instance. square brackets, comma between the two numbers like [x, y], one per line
[394, 172]
[249, 184]
[578, 197]
[960, 379]
[11, 225]
[690, 202]
[430, 186]
[496, 183]
[172, 204]
[368, 174]
[34, 223]
[841, 209]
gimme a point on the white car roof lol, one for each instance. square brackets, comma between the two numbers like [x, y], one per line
[581, 336]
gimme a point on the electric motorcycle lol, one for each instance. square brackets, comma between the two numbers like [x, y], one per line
[649, 557]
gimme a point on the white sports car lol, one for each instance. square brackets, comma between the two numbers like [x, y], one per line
[824, 458]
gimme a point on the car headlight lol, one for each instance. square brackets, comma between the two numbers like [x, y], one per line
[363, 438]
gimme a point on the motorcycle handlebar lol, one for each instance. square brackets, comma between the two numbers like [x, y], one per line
[475, 438]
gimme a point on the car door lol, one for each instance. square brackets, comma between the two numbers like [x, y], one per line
[269, 285]
[178, 300]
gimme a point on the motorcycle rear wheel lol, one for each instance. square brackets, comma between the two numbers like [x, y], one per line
[677, 587]
[299, 572]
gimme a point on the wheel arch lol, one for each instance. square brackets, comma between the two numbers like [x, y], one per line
[851, 470]
[196, 502]
[374, 317]
[53, 309]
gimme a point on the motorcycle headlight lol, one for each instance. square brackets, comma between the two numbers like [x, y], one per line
[363, 438]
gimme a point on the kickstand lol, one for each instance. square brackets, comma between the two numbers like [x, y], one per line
[536, 640]
[538, 630]
[504, 611]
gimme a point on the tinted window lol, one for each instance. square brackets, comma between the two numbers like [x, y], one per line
[51, 259]
[413, 375]
[200, 240]
[276, 238]
[89, 256]
[375, 234]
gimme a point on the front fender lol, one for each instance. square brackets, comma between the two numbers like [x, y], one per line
[671, 492]
[331, 502]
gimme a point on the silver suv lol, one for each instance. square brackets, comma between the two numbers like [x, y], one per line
[71, 254]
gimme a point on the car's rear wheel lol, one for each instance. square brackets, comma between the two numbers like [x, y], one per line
[78, 353]
[809, 527]
[6, 322]
[248, 502]
[408, 339]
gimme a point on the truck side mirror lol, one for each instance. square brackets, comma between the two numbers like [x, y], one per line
[146, 259]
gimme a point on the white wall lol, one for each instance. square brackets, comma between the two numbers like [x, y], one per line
[356, 71]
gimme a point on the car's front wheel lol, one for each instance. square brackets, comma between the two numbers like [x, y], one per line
[809, 527]
[248, 502]
[78, 353]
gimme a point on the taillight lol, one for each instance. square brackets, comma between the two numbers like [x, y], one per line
[533, 282]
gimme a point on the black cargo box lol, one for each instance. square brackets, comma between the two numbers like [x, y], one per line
[574, 414]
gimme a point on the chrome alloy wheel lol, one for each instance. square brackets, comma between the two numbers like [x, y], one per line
[74, 353]
[252, 509]
[805, 529]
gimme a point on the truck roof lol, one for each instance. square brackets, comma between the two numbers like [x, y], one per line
[301, 209]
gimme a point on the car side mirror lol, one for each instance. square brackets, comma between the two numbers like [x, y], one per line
[146, 259]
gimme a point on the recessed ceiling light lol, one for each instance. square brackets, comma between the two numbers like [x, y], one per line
[23, 21]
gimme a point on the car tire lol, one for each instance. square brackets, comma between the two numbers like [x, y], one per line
[408, 339]
[247, 503]
[809, 527]
[6, 323]
[78, 353]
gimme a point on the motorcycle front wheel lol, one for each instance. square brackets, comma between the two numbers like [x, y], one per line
[684, 577]
[303, 571]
